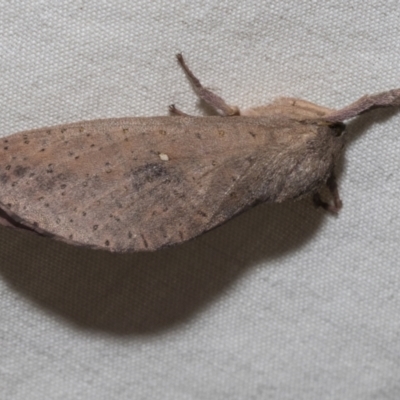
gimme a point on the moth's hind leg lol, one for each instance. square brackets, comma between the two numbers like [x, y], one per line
[177, 112]
[209, 97]
[333, 188]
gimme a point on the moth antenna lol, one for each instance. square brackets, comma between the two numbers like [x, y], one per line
[365, 103]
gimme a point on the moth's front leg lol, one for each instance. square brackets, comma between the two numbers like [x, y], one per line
[331, 184]
[365, 103]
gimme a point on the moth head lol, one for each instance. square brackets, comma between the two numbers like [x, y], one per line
[337, 128]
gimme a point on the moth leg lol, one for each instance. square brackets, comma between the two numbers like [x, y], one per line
[385, 99]
[332, 185]
[333, 188]
[176, 112]
[209, 97]
[318, 202]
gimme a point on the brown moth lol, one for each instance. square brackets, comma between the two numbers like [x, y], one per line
[136, 184]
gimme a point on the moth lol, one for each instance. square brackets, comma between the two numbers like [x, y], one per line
[140, 184]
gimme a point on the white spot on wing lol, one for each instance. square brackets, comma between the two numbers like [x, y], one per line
[163, 156]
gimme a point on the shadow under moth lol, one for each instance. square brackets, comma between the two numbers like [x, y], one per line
[137, 184]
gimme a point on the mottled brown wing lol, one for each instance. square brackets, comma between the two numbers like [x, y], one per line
[138, 184]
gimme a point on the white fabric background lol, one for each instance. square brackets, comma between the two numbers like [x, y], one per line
[283, 302]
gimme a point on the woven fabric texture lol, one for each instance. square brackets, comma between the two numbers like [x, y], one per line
[284, 301]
